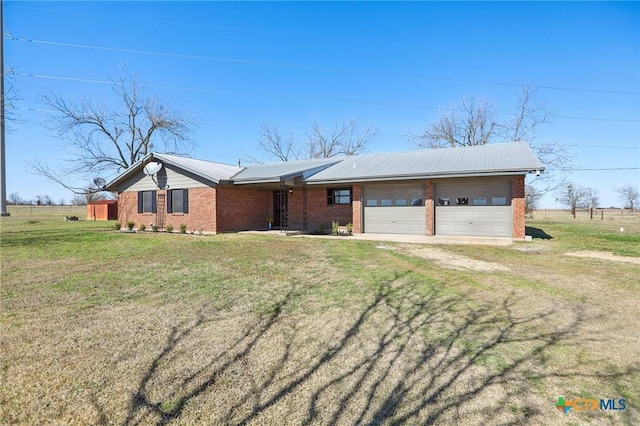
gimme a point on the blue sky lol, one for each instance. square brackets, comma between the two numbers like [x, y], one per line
[395, 65]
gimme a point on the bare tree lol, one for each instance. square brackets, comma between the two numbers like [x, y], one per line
[344, 138]
[104, 139]
[473, 123]
[14, 198]
[592, 197]
[629, 195]
[275, 145]
[476, 122]
[43, 200]
[531, 199]
[574, 197]
[11, 98]
[87, 198]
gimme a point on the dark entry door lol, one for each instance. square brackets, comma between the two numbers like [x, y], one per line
[279, 207]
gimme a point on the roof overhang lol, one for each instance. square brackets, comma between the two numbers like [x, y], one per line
[420, 177]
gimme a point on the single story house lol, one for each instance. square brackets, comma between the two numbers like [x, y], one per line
[465, 191]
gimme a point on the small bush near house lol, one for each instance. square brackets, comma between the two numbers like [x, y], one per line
[335, 227]
[154, 228]
[183, 228]
[130, 225]
[349, 228]
[143, 227]
[118, 226]
[321, 229]
[169, 228]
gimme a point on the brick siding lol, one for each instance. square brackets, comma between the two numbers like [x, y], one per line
[320, 212]
[517, 201]
[242, 209]
[201, 215]
[429, 207]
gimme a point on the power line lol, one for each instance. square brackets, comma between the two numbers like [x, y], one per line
[269, 95]
[305, 66]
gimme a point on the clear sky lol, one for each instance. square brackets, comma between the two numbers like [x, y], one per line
[392, 65]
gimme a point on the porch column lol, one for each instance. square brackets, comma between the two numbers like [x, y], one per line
[356, 205]
[429, 207]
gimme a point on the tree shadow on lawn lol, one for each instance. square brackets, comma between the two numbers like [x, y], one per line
[407, 357]
[536, 233]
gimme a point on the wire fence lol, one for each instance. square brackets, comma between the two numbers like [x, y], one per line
[621, 215]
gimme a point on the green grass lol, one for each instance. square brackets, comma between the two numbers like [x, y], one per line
[101, 326]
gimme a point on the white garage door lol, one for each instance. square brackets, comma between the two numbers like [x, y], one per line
[479, 209]
[394, 209]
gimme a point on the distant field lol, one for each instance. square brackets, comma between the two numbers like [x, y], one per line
[49, 212]
[603, 215]
[103, 327]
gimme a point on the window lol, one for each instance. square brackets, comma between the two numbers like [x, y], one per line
[372, 203]
[178, 201]
[386, 202]
[339, 196]
[416, 201]
[480, 201]
[401, 201]
[146, 201]
[462, 201]
[444, 201]
[499, 201]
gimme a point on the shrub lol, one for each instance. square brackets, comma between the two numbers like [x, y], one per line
[335, 227]
[130, 225]
[169, 228]
[321, 228]
[183, 228]
[118, 226]
[349, 228]
[143, 227]
[154, 228]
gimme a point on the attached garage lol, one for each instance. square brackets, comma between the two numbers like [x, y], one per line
[480, 208]
[395, 209]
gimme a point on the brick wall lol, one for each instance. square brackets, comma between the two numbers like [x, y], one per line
[319, 212]
[356, 211]
[517, 201]
[429, 207]
[241, 209]
[201, 216]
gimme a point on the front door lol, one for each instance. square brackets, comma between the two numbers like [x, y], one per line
[279, 207]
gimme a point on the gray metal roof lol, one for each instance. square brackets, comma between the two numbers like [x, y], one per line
[206, 169]
[278, 172]
[214, 172]
[491, 159]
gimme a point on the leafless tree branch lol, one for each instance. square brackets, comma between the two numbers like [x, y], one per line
[106, 138]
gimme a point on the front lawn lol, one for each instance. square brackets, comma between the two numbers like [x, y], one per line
[99, 326]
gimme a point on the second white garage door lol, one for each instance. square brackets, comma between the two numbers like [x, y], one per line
[394, 209]
[480, 208]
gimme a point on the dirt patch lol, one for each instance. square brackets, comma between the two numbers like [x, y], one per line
[604, 256]
[449, 260]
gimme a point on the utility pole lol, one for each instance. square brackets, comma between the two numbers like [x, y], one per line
[3, 164]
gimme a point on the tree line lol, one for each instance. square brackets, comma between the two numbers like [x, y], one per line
[45, 200]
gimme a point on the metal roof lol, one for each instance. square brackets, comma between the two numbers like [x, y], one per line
[481, 160]
[214, 172]
[278, 172]
[491, 159]
[210, 170]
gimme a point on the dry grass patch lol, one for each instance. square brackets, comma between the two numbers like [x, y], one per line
[251, 329]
